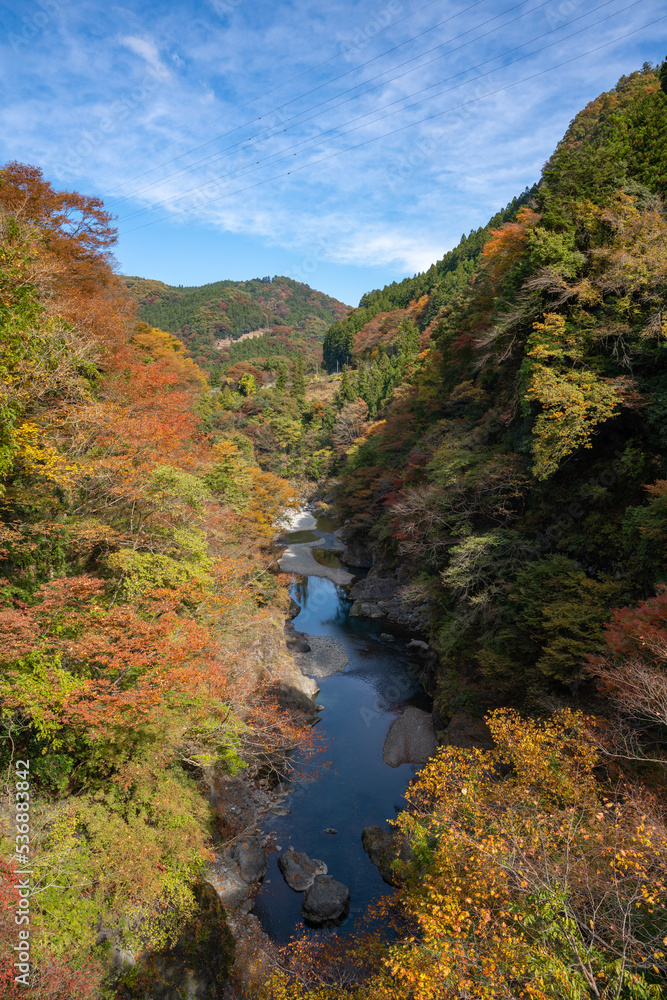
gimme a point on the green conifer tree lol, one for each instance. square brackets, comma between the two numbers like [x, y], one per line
[298, 390]
[281, 383]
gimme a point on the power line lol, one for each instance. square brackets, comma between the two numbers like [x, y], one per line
[283, 153]
[403, 128]
[267, 133]
[308, 92]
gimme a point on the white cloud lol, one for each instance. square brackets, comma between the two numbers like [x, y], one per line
[82, 103]
[147, 50]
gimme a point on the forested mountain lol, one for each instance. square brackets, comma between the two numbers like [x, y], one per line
[514, 464]
[294, 316]
[500, 443]
[434, 287]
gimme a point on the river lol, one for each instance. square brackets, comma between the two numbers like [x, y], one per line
[357, 789]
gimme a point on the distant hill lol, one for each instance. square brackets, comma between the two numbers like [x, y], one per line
[213, 320]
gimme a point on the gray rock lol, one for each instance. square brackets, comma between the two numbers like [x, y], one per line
[362, 609]
[230, 887]
[386, 637]
[326, 902]
[295, 641]
[329, 829]
[298, 870]
[417, 646]
[383, 847]
[374, 588]
[280, 811]
[356, 553]
[411, 739]
[251, 859]
[327, 657]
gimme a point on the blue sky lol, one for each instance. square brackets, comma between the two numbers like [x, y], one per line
[343, 144]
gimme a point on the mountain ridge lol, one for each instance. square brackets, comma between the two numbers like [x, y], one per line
[295, 315]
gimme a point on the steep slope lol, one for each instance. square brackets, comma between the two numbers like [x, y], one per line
[134, 603]
[211, 319]
[515, 480]
[438, 285]
[511, 465]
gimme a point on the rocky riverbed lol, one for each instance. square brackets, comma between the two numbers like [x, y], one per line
[366, 684]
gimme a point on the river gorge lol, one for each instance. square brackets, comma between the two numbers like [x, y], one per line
[367, 677]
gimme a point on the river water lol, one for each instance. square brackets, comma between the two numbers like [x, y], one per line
[357, 789]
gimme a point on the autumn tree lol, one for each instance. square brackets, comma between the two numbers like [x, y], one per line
[631, 669]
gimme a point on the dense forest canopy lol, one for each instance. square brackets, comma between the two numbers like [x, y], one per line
[293, 316]
[506, 450]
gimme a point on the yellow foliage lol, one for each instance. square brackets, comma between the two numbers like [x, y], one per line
[157, 345]
[38, 457]
[523, 872]
[270, 497]
[574, 401]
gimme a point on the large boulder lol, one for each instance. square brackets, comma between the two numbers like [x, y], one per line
[383, 847]
[230, 887]
[411, 739]
[251, 859]
[375, 587]
[364, 609]
[356, 553]
[326, 903]
[298, 870]
[387, 592]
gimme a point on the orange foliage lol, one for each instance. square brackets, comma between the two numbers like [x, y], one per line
[241, 368]
[632, 668]
[121, 661]
[382, 329]
[270, 497]
[506, 245]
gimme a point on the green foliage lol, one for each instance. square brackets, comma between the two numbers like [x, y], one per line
[247, 385]
[290, 316]
[229, 479]
[573, 404]
[552, 619]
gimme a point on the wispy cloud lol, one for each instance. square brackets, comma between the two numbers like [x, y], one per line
[147, 50]
[289, 124]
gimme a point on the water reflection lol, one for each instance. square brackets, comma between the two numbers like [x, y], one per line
[358, 789]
